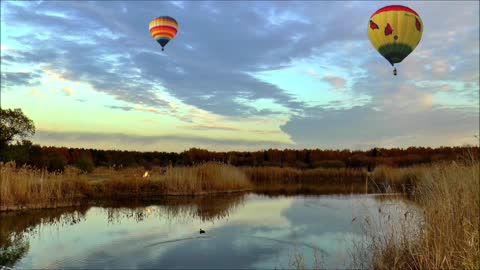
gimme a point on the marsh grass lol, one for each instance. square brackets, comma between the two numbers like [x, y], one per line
[447, 234]
[297, 261]
[283, 175]
[27, 187]
[201, 179]
[291, 181]
[388, 179]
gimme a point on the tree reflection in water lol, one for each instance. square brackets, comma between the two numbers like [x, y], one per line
[179, 208]
[16, 227]
[13, 249]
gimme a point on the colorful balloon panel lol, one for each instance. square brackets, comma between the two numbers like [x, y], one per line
[163, 29]
[395, 32]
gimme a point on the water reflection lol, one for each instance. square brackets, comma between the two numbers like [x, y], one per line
[242, 231]
[17, 227]
[205, 208]
[13, 249]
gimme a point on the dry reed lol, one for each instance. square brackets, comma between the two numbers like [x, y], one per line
[31, 188]
[291, 181]
[278, 175]
[447, 234]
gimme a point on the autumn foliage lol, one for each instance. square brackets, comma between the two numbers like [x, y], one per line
[56, 158]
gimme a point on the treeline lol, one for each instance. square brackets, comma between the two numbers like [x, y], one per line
[56, 158]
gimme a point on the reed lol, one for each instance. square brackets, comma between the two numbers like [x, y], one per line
[446, 236]
[206, 178]
[388, 179]
[292, 181]
[287, 175]
[27, 187]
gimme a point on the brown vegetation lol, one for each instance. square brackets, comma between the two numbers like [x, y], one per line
[31, 188]
[291, 181]
[57, 158]
[446, 236]
[206, 178]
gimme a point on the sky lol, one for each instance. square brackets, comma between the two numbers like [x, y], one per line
[240, 76]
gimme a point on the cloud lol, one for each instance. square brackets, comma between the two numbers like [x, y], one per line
[11, 79]
[337, 83]
[139, 109]
[146, 143]
[127, 63]
[312, 73]
[213, 72]
[207, 127]
[68, 91]
[388, 128]
[210, 68]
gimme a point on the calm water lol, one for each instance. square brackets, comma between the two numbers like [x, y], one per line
[244, 231]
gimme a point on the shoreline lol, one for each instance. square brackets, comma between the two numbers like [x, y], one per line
[127, 198]
[119, 198]
[25, 188]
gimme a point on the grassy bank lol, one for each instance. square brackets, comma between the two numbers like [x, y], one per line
[30, 188]
[291, 181]
[447, 234]
[286, 175]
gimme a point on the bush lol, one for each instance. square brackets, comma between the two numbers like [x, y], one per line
[85, 163]
[56, 162]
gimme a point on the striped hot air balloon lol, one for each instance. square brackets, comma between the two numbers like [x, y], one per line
[395, 32]
[163, 29]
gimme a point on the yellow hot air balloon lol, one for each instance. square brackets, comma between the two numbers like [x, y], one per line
[395, 32]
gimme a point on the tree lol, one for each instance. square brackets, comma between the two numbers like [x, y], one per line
[14, 123]
[85, 162]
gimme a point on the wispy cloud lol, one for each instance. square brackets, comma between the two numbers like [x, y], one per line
[207, 78]
[67, 90]
[337, 83]
[12, 79]
[146, 143]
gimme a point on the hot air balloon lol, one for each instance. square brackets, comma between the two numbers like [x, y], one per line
[163, 29]
[395, 32]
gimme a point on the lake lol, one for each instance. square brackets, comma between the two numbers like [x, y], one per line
[242, 231]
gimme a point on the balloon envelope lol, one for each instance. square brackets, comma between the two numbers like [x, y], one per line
[163, 29]
[395, 32]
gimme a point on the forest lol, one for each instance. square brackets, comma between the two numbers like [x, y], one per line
[56, 158]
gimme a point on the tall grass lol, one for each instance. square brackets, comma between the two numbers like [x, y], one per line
[447, 235]
[31, 188]
[202, 179]
[290, 181]
[388, 179]
[278, 175]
